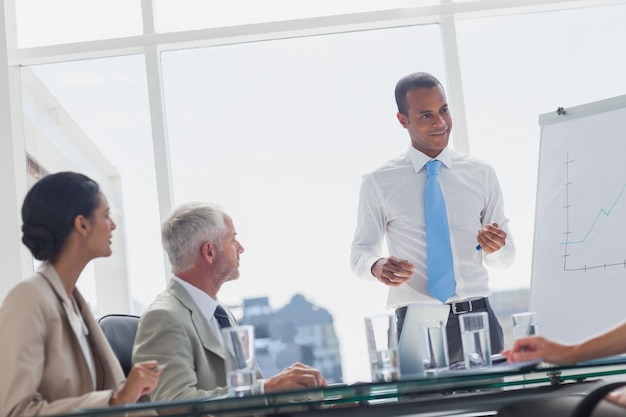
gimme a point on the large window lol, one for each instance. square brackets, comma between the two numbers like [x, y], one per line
[175, 15]
[43, 22]
[279, 133]
[107, 99]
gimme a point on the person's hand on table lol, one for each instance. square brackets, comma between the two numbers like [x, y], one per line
[537, 347]
[296, 376]
[142, 379]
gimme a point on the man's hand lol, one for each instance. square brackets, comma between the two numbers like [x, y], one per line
[393, 271]
[296, 376]
[491, 238]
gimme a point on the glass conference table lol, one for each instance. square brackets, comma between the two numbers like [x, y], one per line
[459, 392]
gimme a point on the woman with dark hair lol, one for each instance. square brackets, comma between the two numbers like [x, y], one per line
[53, 356]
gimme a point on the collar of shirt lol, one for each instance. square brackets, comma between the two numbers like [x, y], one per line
[419, 159]
[205, 303]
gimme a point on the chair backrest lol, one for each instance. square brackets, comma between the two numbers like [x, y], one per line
[120, 330]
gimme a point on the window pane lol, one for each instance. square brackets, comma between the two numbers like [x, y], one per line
[512, 75]
[45, 22]
[92, 116]
[176, 15]
[279, 133]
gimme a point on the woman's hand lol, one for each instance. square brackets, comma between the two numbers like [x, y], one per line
[142, 379]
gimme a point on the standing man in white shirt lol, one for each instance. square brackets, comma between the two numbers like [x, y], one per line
[391, 208]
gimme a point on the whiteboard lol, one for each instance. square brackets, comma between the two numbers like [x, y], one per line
[578, 278]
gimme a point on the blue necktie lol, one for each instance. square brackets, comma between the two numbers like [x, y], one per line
[441, 282]
[221, 316]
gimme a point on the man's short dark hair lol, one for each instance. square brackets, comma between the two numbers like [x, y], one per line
[413, 82]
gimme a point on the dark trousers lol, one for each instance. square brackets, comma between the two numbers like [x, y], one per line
[453, 330]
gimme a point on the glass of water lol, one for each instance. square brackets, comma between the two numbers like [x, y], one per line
[382, 344]
[475, 339]
[433, 344]
[240, 365]
[524, 324]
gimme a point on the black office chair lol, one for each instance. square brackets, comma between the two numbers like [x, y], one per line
[588, 404]
[120, 330]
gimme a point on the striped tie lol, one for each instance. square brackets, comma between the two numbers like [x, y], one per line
[222, 317]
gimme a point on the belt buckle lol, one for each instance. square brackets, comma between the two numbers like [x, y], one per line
[455, 311]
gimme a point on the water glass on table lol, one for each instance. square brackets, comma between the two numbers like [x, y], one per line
[524, 324]
[433, 344]
[382, 343]
[475, 339]
[240, 365]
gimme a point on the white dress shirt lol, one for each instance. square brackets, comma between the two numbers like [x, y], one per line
[206, 304]
[391, 208]
[80, 329]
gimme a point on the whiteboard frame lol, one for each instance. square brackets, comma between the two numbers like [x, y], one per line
[569, 114]
[582, 110]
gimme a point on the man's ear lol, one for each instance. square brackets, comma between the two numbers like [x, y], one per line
[402, 119]
[82, 225]
[209, 252]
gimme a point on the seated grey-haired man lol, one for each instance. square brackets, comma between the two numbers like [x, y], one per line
[179, 328]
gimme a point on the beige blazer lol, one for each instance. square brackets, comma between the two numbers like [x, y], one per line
[43, 368]
[174, 332]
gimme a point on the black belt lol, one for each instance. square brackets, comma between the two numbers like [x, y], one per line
[460, 307]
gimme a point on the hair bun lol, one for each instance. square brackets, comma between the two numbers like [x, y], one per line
[39, 240]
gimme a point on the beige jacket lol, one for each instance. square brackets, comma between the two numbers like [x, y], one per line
[174, 332]
[44, 370]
